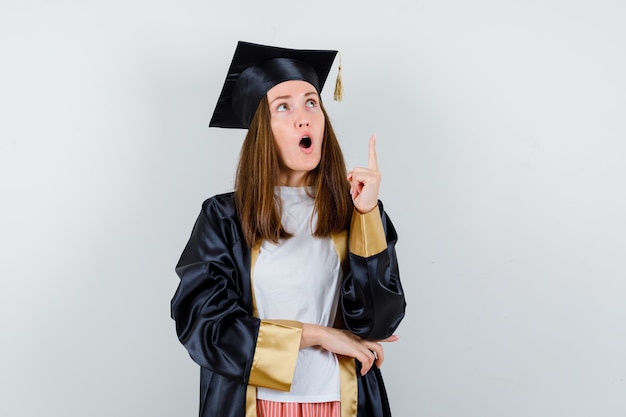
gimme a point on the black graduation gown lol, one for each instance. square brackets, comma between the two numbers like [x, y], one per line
[213, 309]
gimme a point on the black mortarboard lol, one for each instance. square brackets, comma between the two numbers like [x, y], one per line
[255, 69]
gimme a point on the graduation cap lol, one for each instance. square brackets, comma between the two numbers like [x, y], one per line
[255, 69]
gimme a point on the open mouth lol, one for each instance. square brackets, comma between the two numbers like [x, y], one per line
[305, 142]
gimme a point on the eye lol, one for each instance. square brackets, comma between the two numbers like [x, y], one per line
[282, 107]
[311, 102]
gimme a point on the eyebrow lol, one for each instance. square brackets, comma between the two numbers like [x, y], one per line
[310, 93]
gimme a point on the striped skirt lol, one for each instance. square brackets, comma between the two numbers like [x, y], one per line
[276, 409]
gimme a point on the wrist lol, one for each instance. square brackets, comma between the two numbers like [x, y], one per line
[312, 335]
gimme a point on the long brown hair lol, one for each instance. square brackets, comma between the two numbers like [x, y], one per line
[257, 176]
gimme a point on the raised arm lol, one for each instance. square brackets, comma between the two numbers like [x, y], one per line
[372, 301]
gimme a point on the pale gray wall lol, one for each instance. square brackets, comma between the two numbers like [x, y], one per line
[502, 144]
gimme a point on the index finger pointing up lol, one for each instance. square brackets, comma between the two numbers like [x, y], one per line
[372, 161]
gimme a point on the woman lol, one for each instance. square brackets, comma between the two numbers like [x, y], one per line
[289, 284]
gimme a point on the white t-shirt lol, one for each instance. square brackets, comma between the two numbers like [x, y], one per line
[298, 279]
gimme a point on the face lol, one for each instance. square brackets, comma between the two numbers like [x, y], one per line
[297, 123]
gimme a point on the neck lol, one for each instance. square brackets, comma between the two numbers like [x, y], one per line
[294, 179]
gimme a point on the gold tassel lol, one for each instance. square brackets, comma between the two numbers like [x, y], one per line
[338, 95]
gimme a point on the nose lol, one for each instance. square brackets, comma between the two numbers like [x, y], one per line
[301, 119]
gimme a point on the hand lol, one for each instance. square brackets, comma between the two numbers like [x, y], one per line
[342, 342]
[365, 182]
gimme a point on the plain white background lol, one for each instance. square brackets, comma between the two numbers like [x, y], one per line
[501, 138]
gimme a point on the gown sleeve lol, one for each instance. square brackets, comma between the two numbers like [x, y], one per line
[372, 299]
[212, 306]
